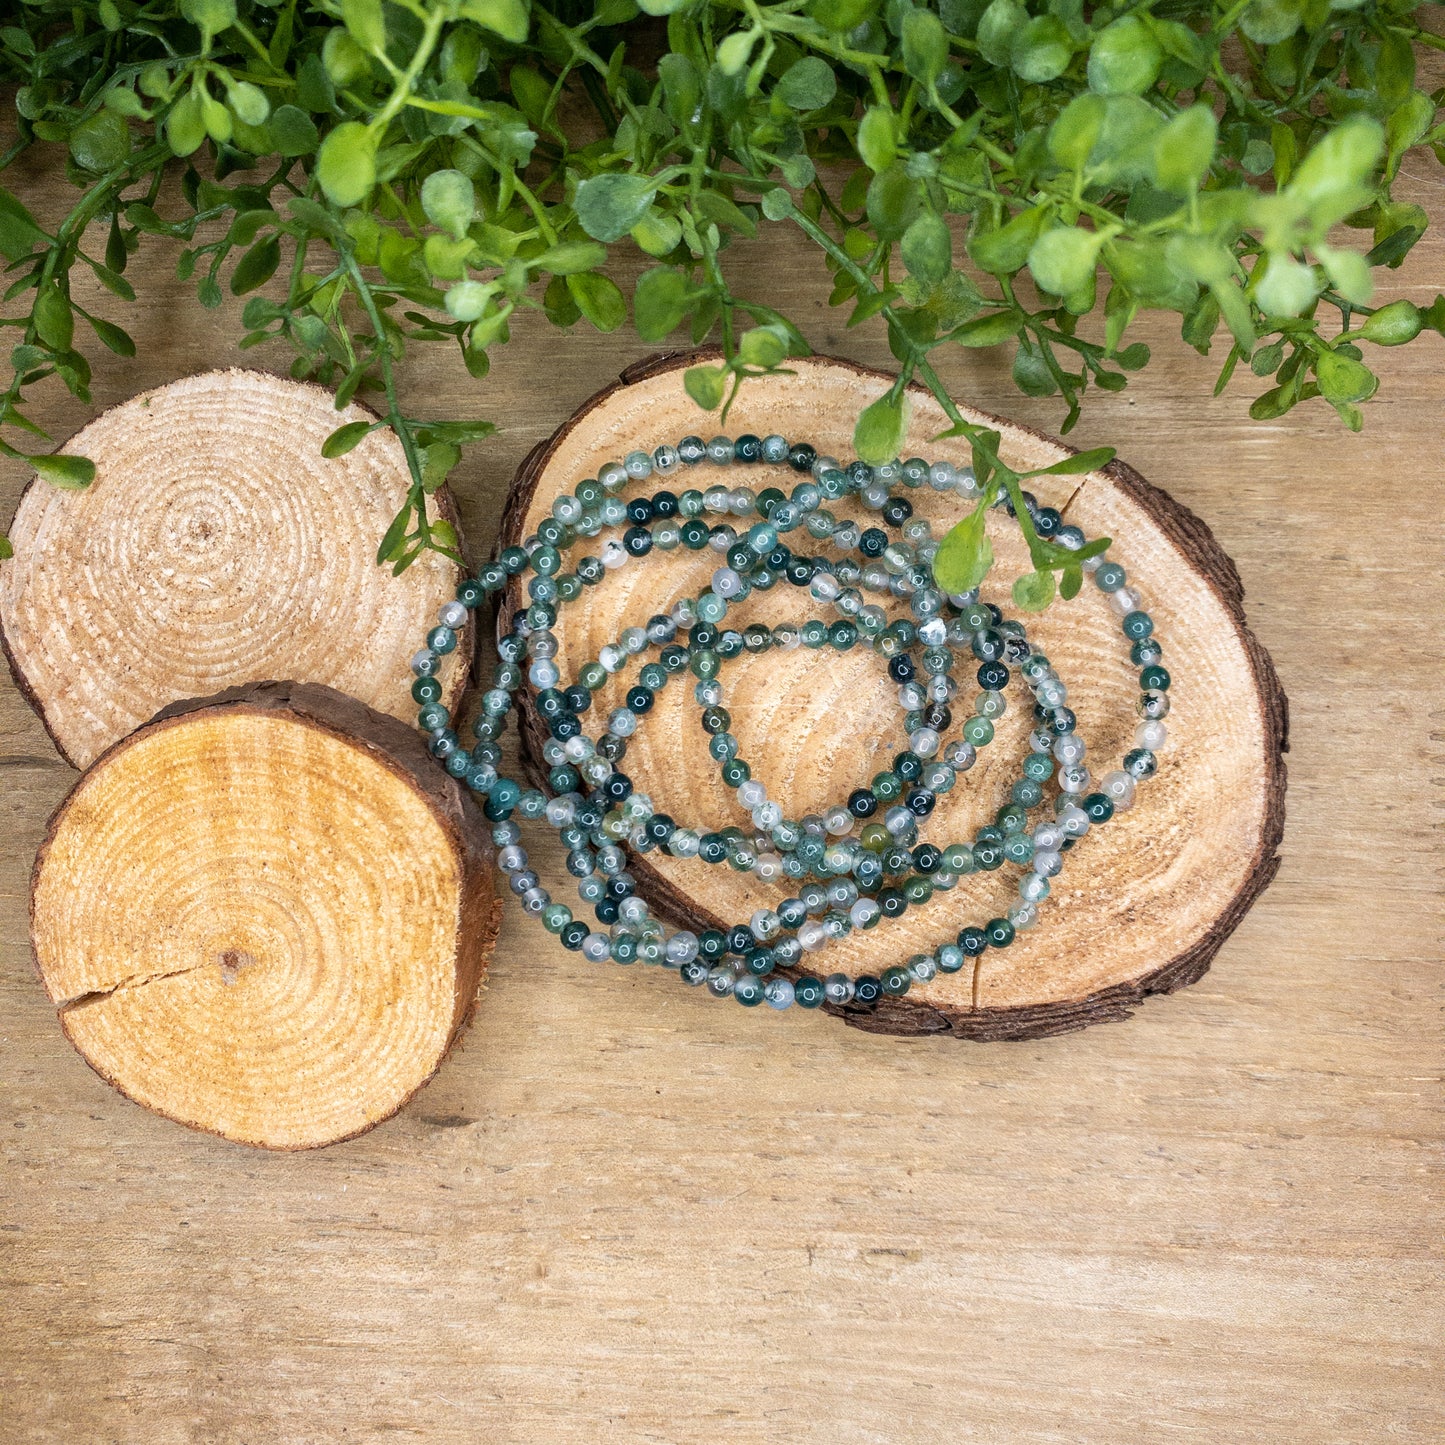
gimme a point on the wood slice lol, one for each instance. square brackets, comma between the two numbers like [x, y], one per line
[266, 914]
[1143, 904]
[216, 546]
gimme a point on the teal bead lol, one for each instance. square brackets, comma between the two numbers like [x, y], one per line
[748, 991]
[735, 773]
[555, 917]
[887, 786]
[1109, 577]
[592, 675]
[441, 640]
[1027, 793]
[624, 948]
[957, 859]
[695, 535]
[471, 592]
[842, 635]
[918, 890]
[426, 689]
[546, 561]
[1038, 767]
[711, 607]
[1019, 848]
[1151, 679]
[999, 932]
[432, 717]
[1138, 625]
[808, 992]
[814, 633]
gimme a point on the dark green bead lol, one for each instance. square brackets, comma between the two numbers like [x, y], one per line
[814, 633]
[999, 932]
[513, 559]
[1027, 793]
[426, 689]
[987, 855]
[1138, 625]
[895, 980]
[624, 950]
[735, 772]
[695, 535]
[887, 786]
[1099, 807]
[441, 640]
[918, 890]
[1038, 767]
[569, 587]
[470, 593]
[842, 635]
[808, 992]
[1154, 679]
[712, 943]
[432, 717]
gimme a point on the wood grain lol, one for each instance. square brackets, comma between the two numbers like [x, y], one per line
[622, 1213]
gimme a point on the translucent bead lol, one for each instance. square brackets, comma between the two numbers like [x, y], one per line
[623, 723]
[764, 924]
[721, 980]
[924, 741]
[837, 821]
[596, 948]
[543, 673]
[775, 449]
[1153, 705]
[425, 663]
[778, 993]
[665, 460]
[1073, 778]
[812, 935]
[1151, 736]
[612, 475]
[752, 794]
[1048, 862]
[1023, 915]
[613, 554]
[512, 859]
[452, 615]
[638, 465]
[960, 755]
[942, 476]
[1124, 600]
[1069, 748]
[1033, 887]
[720, 451]
[1119, 787]
[922, 967]
[768, 868]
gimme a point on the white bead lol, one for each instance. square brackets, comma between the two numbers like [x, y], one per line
[613, 555]
[1150, 735]
[1124, 600]
[453, 615]
[812, 935]
[752, 794]
[838, 821]
[1119, 787]
[924, 742]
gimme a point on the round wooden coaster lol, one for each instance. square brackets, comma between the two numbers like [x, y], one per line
[1143, 904]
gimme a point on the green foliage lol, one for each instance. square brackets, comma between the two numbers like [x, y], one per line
[1023, 174]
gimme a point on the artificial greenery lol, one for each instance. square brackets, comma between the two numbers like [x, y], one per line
[383, 172]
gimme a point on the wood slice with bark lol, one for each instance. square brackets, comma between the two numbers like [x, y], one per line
[266, 914]
[217, 546]
[1143, 904]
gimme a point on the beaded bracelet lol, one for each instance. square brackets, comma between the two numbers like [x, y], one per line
[739, 960]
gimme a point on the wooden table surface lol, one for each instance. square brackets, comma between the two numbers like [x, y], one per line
[623, 1212]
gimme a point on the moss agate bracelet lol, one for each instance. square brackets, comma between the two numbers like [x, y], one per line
[851, 881]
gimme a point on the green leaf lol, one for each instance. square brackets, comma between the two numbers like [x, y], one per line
[450, 201]
[113, 337]
[293, 131]
[705, 385]
[54, 320]
[365, 22]
[762, 346]
[346, 164]
[1077, 464]
[100, 143]
[1268, 22]
[1031, 372]
[1033, 591]
[609, 206]
[892, 201]
[344, 439]
[990, 330]
[927, 248]
[212, 16]
[6, 550]
[1287, 287]
[1041, 50]
[248, 103]
[1331, 180]
[660, 302]
[878, 433]
[964, 556]
[186, 124]
[598, 299]
[19, 231]
[997, 28]
[67, 472]
[1004, 250]
[569, 256]
[1124, 58]
[925, 45]
[806, 85]
[777, 205]
[1236, 314]
[508, 18]
[1073, 135]
[256, 267]
[1070, 582]
[1184, 149]
[877, 139]
[1063, 259]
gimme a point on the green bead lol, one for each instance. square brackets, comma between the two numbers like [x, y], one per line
[814, 633]
[748, 991]
[875, 837]
[624, 949]
[705, 664]
[1027, 793]
[842, 635]
[711, 607]
[999, 932]
[432, 717]
[555, 917]
[426, 689]
[592, 675]
[1038, 767]
[887, 786]
[918, 890]
[546, 561]
[978, 731]
[895, 980]
[735, 773]
[1154, 679]
[1012, 818]
[1019, 848]
[1137, 626]
[695, 535]
[957, 859]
